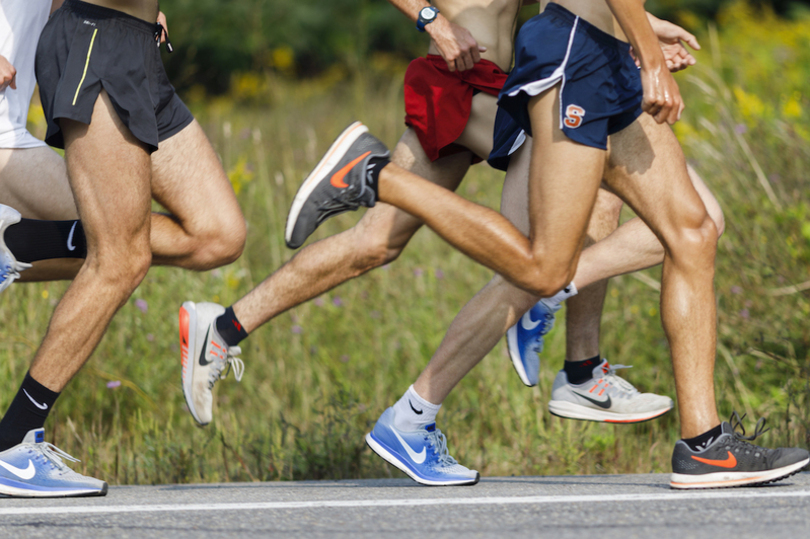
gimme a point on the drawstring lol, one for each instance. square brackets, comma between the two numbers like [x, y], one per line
[161, 32]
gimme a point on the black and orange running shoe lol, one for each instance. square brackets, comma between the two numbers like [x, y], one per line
[339, 183]
[733, 461]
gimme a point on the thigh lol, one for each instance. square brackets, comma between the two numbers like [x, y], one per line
[477, 134]
[109, 171]
[647, 169]
[189, 181]
[397, 225]
[34, 182]
[564, 178]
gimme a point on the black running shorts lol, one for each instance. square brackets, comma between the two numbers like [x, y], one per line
[85, 48]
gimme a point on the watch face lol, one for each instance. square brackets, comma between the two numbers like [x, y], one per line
[427, 13]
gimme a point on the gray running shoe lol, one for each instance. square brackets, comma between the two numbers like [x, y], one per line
[204, 356]
[337, 185]
[605, 397]
[732, 461]
[34, 469]
[9, 267]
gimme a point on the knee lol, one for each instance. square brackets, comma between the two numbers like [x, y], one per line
[544, 279]
[695, 244]
[373, 248]
[221, 243]
[716, 214]
[121, 272]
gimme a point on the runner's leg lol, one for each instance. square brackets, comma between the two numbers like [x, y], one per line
[205, 228]
[377, 239]
[109, 174]
[648, 170]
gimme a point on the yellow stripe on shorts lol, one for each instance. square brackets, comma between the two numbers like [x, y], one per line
[86, 63]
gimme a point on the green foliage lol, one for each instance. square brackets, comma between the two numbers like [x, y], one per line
[319, 375]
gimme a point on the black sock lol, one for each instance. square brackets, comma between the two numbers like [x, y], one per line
[703, 441]
[28, 411]
[375, 165]
[31, 240]
[230, 329]
[580, 372]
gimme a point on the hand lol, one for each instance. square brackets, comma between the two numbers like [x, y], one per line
[161, 19]
[662, 98]
[455, 43]
[672, 37]
[8, 75]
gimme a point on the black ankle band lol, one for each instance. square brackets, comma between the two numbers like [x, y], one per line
[230, 329]
[579, 372]
[375, 166]
[31, 240]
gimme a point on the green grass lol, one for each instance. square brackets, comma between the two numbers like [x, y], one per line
[318, 376]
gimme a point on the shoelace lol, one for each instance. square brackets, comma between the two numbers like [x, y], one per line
[55, 455]
[736, 421]
[233, 363]
[438, 441]
[617, 381]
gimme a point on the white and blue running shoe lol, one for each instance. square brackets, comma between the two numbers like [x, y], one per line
[525, 340]
[9, 267]
[34, 469]
[421, 454]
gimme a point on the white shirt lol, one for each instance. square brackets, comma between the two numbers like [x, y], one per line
[21, 22]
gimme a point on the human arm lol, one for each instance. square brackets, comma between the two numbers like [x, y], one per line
[8, 75]
[455, 43]
[662, 98]
[671, 38]
[161, 20]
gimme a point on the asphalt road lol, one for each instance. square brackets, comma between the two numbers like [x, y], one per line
[622, 506]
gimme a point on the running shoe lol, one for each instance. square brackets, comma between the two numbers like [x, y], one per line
[204, 355]
[421, 454]
[525, 340]
[337, 185]
[733, 461]
[605, 397]
[34, 469]
[9, 267]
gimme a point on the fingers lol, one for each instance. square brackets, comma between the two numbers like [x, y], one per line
[13, 84]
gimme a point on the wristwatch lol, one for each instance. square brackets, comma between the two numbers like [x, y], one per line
[426, 16]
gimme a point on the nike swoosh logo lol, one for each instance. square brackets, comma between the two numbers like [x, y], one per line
[729, 462]
[601, 404]
[417, 412]
[528, 323]
[337, 178]
[204, 362]
[26, 473]
[70, 245]
[418, 458]
[38, 405]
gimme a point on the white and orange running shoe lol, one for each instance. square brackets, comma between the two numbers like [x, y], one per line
[204, 355]
[606, 398]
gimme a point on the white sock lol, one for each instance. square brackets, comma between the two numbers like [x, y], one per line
[556, 300]
[412, 412]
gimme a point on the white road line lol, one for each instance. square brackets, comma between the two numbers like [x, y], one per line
[512, 500]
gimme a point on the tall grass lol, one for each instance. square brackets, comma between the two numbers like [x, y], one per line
[319, 375]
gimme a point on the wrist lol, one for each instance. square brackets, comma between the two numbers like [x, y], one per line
[426, 17]
[438, 26]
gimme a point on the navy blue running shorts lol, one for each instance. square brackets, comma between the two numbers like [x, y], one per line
[600, 85]
[84, 48]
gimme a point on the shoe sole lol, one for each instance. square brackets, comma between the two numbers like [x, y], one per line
[570, 410]
[188, 351]
[329, 161]
[735, 479]
[387, 456]
[514, 353]
[15, 492]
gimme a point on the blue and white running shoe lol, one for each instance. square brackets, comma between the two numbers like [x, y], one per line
[34, 469]
[9, 267]
[525, 340]
[421, 454]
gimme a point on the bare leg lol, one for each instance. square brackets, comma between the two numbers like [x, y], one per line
[647, 169]
[584, 311]
[109, 175]
[377, 239]
[35, 183]
[542, 264]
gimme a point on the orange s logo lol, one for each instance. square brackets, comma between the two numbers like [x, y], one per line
[573, 116]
